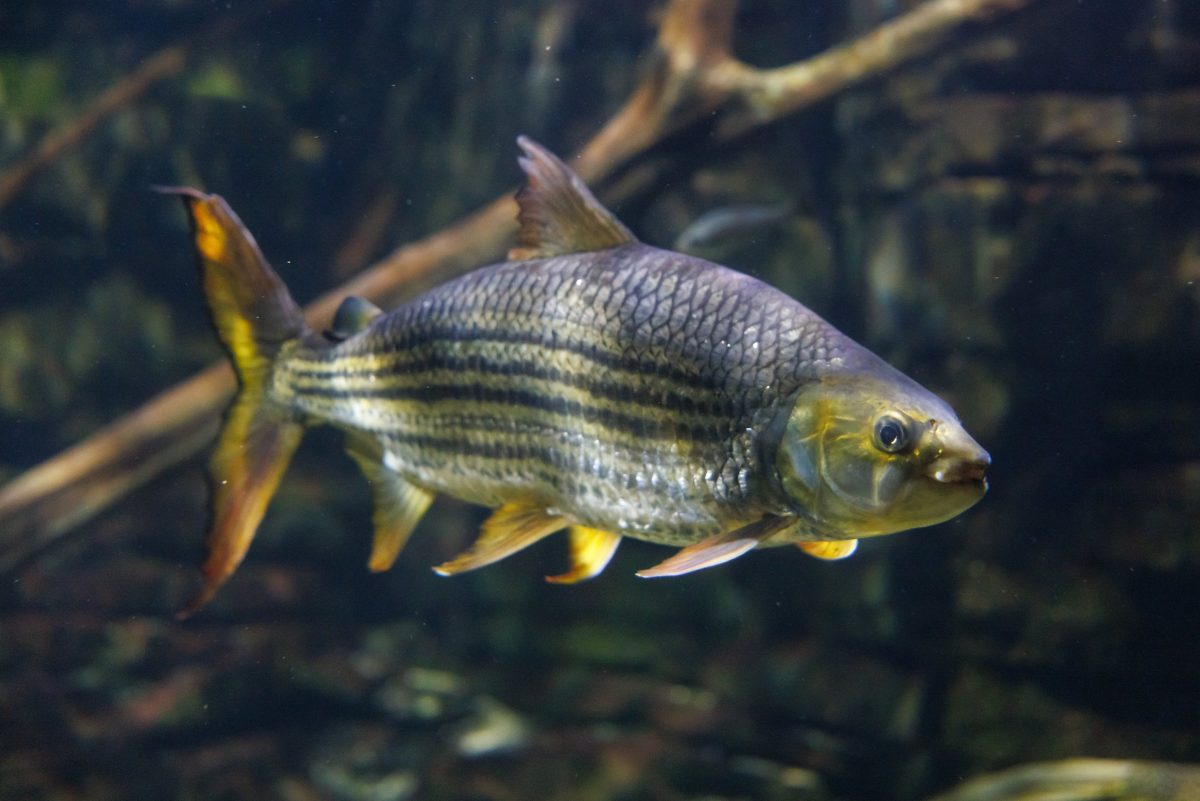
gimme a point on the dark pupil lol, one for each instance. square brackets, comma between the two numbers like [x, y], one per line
[890, 434]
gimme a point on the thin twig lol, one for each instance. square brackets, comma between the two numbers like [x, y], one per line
[364, 240]
[1084, 780]
[166, 63]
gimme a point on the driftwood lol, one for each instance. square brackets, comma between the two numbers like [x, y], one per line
[1084, 780]
[694, 77]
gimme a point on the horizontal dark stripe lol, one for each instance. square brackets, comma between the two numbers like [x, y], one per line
[405, 341]
[707, 403]
[566, 465]
[596, 458]
[467, 393]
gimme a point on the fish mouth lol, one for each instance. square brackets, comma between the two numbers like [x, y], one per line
[961, 471]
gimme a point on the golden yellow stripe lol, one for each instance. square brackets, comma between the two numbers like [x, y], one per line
[551, 373]
[381, 415]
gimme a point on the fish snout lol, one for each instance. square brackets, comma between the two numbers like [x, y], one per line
[962, 461]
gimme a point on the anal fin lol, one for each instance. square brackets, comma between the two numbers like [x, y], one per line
[829, 549]
[511, 528]
[399, 504]
[718, 549]
[591, 551]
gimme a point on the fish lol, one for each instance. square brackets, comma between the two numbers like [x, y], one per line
[591, 384]
[553, 29]
[727, 223]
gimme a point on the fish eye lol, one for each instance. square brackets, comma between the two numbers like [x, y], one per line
[892, 434]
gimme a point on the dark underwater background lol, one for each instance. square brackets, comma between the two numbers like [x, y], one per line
[1014, 220]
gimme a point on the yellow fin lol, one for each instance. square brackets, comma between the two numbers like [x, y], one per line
[399, 504]
[591, 551]
[558, 213]
[248, 302]
[511, 528]
[718, 549]
[251, 456]
[255, 317]
[829, 549]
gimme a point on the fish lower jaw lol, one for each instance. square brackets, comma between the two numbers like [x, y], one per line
[958, 472]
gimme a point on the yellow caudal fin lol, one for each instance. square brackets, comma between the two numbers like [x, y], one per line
[250, 307]
[251, 456]
[255, 318]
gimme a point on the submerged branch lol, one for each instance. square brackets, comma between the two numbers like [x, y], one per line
[1084, 780]
[694, 76]
[165, 64]
[769, 94]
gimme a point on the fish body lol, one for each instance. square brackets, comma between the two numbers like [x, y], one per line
[629, 388]
[592, 383]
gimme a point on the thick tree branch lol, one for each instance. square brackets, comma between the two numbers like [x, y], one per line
[693, 76]
[766, 95]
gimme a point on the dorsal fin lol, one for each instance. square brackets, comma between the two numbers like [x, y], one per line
[558, 212]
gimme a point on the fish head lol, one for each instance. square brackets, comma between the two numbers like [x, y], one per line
[863, 454]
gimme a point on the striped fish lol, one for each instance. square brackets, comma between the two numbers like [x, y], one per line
[590, 383]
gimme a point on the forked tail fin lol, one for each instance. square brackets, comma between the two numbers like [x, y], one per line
[255, 317]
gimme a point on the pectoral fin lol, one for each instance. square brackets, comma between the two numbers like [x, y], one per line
[511, 528]
[399, 504]
[829, 549]
[591, 551]
[717, 550]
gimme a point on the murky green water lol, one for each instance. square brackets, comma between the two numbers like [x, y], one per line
[1012, 220]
